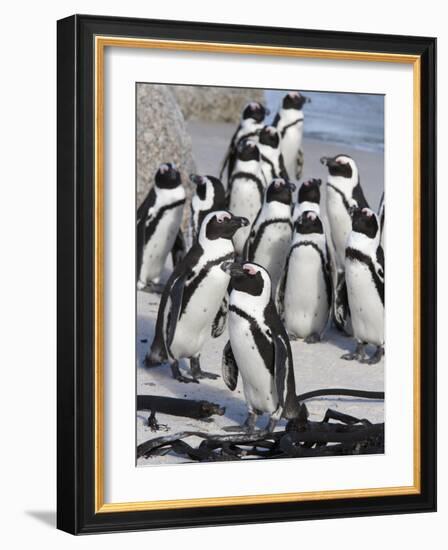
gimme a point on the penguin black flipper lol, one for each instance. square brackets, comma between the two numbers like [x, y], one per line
[228, 160]
[283, 364]
[359, 197]
[283, 172]
[380, 257]
[276, 120]
[219, 322]
[281, 289]
[328, 277]
[179, 248]
[176, 295]
[142, 216]
[229, 367]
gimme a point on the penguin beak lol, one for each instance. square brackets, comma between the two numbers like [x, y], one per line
[242, 222]
[327, 161]
[291, 186]
[197, 180]
[232, 268]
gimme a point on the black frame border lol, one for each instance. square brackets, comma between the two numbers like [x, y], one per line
[76, 262]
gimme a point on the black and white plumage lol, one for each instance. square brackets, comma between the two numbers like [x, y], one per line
[209, 195]
[305, 292]
[193, 295]
[272, 163]
[258, 348]
[159, 219]
[289, 122]
[270, 236]
[343, 192]
[364, 272]
[308, 198]
[246, 189]
[381, 216]
[252, 120]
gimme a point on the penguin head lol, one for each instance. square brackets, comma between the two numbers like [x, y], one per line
[248, 150]
[308, 222]
[295, 100]
[248, 278]
[341, 165]
[255, 110]
[167, 176]
[208, 186]
[269, 136]
[310, 191]
[280, 190]
[221, 224]
[364, 221]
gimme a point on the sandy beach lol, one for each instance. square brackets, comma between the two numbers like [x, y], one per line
[316, 366]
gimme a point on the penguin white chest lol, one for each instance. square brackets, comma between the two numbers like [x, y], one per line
[305, 303]
[340, 223]
[245, 201]
[272, 250]
[366, 307]
[194, 325]
[290, 146]
[258, 384]
[160, 244]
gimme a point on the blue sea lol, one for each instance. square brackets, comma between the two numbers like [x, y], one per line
[355, 120]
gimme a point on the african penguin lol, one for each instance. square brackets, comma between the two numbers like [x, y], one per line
[159, 219]
[305, 292]
[246, 189]
[381, 216]
[308, 198]
[272, 163]
[343, 192]
[270, 236]
[252, 120]
[289, 122]
[193, 295]
[364, 272]
[209, 195]
[258, 348]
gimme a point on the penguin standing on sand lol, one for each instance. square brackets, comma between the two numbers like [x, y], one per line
[246, 189]
[289, 122]
[258, 348]
[252, 120]
[158, 226]
[208, 196]
[272, 163]
[308, 198]
[270, 236]
[305, 292]
[364, 272]
[193, 295]
[343, 192]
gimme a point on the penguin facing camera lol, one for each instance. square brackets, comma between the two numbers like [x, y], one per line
[258, 348]
[364, 272]
[305, 292]
[272, 163]
[159, 219]
[270, 237]
[209, 195]
[308, 198]
[246, 189]
[193, 296]
[252, 120]
[289, 122]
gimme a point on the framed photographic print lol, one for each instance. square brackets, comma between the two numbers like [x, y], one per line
[230, 200]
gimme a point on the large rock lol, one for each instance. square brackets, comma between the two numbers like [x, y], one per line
[214, 104]
[161, 136]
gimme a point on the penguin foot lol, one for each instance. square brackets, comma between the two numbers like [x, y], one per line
[358, 354]
[375, 358]
[248, 426]
[312, 338]
[198, 373]
[177, 375]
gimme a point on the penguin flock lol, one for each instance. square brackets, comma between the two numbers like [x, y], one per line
[260, 257]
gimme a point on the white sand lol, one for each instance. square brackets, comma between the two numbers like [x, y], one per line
[315, 366]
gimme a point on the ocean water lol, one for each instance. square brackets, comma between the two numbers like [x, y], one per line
[355, 120]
